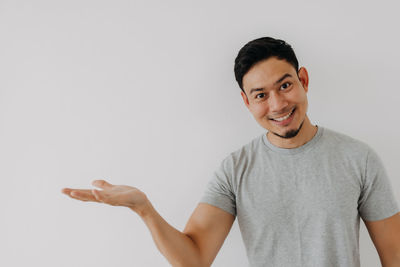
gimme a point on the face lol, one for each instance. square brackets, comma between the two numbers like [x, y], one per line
[277, 96]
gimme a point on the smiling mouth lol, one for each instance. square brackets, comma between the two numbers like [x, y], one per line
[284, 117]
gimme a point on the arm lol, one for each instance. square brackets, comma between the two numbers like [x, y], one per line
[198, 245]
[385, 235]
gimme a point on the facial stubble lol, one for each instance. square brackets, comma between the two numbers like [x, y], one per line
[290, 133]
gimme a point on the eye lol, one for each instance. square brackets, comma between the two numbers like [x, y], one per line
[285, 85]
[262, 94]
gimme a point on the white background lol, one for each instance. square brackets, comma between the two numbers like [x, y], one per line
[143, 93]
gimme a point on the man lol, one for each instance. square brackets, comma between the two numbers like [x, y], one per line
[298, 191]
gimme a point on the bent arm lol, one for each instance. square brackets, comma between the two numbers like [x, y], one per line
[201, 240]
[177, 248]
[385, 235]
[197, 246]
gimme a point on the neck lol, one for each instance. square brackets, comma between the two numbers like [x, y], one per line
[305, 134]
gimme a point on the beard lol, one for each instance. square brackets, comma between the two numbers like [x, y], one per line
[290, 133]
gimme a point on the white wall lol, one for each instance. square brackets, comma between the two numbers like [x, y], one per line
[143, 93]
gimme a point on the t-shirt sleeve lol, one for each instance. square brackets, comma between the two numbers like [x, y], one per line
[219, 191]
[377, 200]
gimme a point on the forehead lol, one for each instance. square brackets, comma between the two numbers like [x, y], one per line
[265, 73]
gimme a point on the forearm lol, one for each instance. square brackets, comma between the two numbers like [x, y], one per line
[179, 249]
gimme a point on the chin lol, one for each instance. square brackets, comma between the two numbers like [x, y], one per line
[287, 134]
[290, 134]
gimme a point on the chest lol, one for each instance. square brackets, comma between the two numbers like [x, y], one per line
[277, 192]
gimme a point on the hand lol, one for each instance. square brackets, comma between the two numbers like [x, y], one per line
[115, 195]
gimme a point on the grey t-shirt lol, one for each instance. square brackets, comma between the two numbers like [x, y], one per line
[302, 206]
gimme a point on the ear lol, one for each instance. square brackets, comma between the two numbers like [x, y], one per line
[303, 77]
[245, 99]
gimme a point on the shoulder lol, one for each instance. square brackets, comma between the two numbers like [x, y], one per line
[244, 154]
[340, 142]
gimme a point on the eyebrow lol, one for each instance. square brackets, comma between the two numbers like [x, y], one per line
[275, 83]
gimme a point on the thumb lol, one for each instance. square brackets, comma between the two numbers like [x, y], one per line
[102, 184]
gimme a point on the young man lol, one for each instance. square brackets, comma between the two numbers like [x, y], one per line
[298, 191]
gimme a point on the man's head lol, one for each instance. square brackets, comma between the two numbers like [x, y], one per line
[273, 88]
[261, 49]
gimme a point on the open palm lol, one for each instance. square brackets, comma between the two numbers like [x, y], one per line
[115, 195]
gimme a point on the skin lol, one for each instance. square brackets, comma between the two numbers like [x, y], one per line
[280, 88]
[208, 226]
[115, 195]
[275, 98]
[197, 245]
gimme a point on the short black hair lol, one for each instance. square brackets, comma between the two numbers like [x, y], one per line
[261, 49]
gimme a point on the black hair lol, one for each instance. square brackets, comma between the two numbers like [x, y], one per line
[261, 49]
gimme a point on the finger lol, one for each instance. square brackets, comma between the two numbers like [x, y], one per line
[81, 194]
[79, 198]
[102, 184]
[66, 191]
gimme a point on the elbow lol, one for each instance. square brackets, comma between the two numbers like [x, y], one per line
[392, 261]
[196, 264]
[192, 264]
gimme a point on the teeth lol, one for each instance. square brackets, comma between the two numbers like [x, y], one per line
[285, 117]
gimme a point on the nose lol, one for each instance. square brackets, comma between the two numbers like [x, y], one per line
[277, 103]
